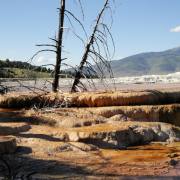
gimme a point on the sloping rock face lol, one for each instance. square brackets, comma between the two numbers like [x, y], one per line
[119, 98]
[79, 117]
[114, 99]
[115, 135]
[64, 117]
[158, 113]
[30, 99]
[119, 135]
[90, 99]
[120, 139]
[113, 127]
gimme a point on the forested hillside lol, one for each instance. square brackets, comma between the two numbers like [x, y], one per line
[19, 69]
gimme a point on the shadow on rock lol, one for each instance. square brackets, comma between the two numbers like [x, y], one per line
[40, 136]
[14, 167]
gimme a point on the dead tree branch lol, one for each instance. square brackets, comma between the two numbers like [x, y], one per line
[93, 50]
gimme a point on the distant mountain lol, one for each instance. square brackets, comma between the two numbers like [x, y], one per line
[148, 63]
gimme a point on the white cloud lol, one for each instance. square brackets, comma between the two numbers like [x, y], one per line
[43, 60]
[175, 29]
[40, 60]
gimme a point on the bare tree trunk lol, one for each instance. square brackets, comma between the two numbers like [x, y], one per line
[59, 41]
[87, 50]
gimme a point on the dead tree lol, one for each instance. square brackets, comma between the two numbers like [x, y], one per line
[58, 46]
[93, 50]
[59, 41]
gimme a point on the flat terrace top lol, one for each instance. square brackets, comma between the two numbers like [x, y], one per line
[65, 85]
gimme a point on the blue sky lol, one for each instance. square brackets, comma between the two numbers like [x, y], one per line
[139, 26]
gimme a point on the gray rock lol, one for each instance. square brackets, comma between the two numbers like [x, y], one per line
[76, 146]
